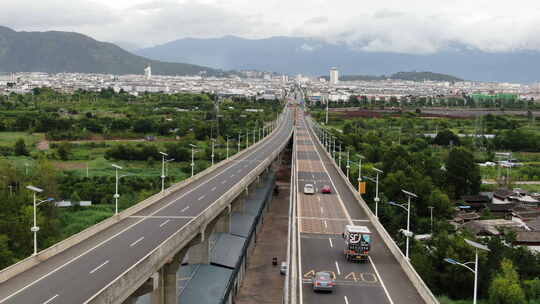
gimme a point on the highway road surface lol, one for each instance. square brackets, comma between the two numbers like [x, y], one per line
[83, 270]
[321, 221]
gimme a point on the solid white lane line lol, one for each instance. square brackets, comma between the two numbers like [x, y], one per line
[51, 299]
[137, 241]
[213, 189]
[164, 223]
[200, 198]
[97, 268]
[338, 270]
[331, 244]
[185, 209]
[380, 280]
[346, 300]
[325, 225]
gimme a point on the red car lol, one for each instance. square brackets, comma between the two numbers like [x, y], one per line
[326, 189]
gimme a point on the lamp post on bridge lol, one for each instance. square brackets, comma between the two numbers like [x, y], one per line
[163, 154]
[407, 233]
[35, 228]
[192, 159]
[116, 195]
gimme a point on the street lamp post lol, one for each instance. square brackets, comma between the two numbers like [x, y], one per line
[339, 156]
[163, 154]
[334, 148]
[116, 195]
[359, 170]
[213, 142]
[377, 193]
[348, 165]
[475, 271]
[227, 147]
[247, 139]
[254, 134]
[35, 228]
[192, 159]
[407, 233]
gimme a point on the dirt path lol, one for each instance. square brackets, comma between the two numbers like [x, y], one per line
[263, 283]
[43, 145]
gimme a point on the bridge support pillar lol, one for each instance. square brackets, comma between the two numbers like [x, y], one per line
[165, 291]
[223, 223]
[200, 253]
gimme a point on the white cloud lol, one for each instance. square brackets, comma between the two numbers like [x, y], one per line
[413, 26]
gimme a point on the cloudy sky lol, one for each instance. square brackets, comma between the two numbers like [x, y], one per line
[412, 26]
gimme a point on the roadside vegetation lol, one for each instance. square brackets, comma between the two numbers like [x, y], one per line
[440, 169]
[66, 143]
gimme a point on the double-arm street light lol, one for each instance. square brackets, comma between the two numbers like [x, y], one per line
[163, 154]
[408, 232]
[116, 195]
[376, 199]
[35, 228]
[475, 270]
[192, 159]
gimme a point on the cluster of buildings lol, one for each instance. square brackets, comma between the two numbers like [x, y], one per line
[336, 90]
[258, 84]
[511, 210]
[268, 87]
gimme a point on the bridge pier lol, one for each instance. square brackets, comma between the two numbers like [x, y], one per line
[165, 280]
[223, 223]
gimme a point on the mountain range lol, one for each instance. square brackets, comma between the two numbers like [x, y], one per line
[292, 55]
[56, 52]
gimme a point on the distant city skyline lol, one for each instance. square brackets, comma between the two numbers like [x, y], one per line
[412, 27]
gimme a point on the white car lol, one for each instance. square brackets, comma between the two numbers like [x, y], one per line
[309, 189]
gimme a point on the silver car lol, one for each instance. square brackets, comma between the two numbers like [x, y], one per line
[309, 189]
[322, 281]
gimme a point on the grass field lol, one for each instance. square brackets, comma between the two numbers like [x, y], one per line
[31, 140]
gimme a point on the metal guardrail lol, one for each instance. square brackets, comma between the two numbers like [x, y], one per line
[405, 264]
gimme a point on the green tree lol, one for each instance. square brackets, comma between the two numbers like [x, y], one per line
[6, 255]
[64, 151]
[20, 147]
[505, 287]
[462, 173]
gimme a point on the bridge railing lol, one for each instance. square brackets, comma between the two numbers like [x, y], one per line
[405, 264]
[45, 254]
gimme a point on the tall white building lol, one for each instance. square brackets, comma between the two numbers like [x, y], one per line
[334, 76]
[148, 72]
